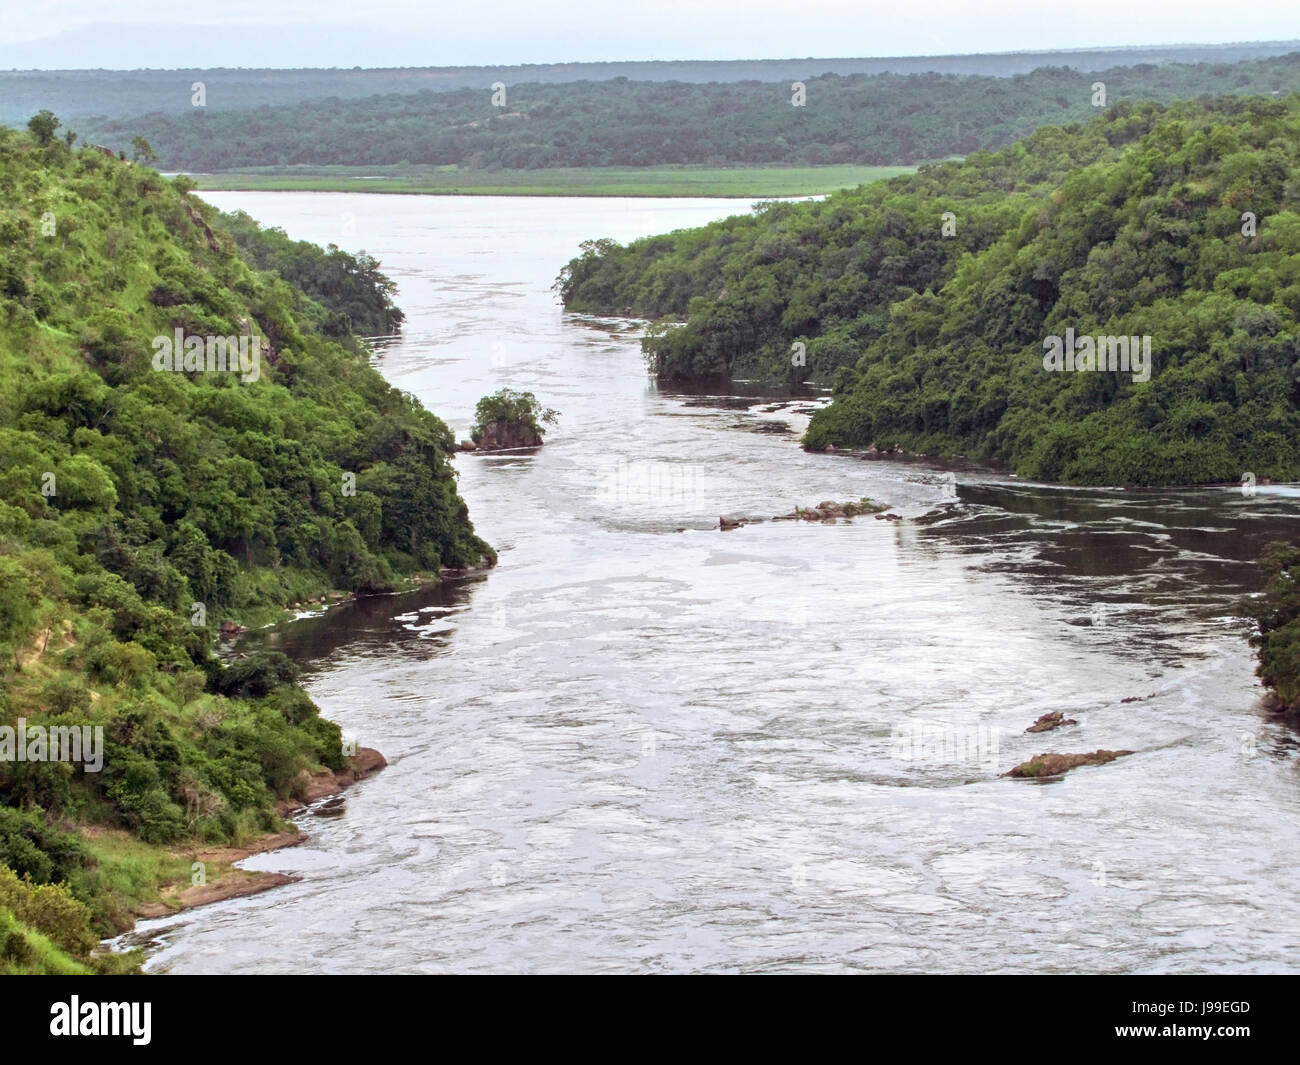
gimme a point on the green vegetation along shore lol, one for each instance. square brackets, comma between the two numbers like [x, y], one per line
[1276, 613]
[758, 181]
[934, 302]
[188, 443]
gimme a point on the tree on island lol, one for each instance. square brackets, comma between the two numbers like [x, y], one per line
[508, 419]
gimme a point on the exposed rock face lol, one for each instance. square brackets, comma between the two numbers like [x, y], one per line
[198, 220]
[1053, 765]
[1050, 721]
[502, 436]
[236, 884]
[227, 884]
[327, 782]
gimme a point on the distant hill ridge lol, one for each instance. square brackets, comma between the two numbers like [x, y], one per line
[860, 119]
[119, 93]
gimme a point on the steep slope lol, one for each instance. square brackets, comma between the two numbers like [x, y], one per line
[143, 505]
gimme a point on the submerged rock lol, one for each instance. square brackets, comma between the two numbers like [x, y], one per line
[825, 511]
[830, 511]
[1050, 721]
[1053, 765]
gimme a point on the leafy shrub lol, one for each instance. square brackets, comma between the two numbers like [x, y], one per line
[256, 676]
[51, 910]
[35, 849]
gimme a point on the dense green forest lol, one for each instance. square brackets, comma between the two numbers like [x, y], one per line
[142, 507]
[123, 93]
[1179, 224]
[882, 119]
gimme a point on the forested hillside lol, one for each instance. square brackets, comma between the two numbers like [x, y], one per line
[143, 506]
[1176, 224]
[883, 119]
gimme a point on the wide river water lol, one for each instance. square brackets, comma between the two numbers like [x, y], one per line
[642, 744]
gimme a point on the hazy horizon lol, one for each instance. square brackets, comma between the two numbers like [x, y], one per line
[1162, 45]
[324, 34]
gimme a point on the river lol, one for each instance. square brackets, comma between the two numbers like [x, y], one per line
[644, 745]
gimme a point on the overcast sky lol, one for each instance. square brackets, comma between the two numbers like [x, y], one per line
[294, 33]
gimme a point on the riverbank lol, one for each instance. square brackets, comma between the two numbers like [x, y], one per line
[184, 880]
[664, 181]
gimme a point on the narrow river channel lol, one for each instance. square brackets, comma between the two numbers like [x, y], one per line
[642, 744]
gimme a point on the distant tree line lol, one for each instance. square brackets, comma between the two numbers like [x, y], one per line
[123, 93]
[859, 119]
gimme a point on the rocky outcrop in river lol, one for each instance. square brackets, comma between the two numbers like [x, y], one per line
[1053, 765]
[826, 511]
[504, 436]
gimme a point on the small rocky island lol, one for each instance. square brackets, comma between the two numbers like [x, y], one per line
[508, 420]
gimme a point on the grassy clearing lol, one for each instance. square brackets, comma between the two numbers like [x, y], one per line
[131, 872]
[564, 181]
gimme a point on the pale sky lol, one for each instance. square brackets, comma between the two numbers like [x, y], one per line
[290, 33]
